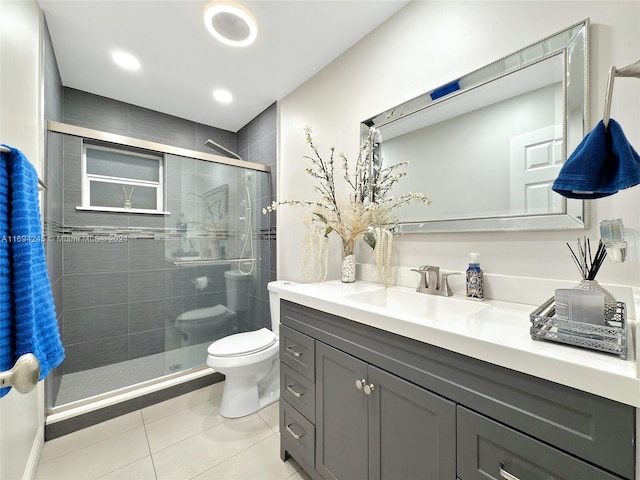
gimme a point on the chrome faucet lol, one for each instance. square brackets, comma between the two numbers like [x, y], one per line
[432, 282]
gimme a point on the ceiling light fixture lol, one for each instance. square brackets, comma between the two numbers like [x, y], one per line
[222, 96]
[230, 23]
[126, 60]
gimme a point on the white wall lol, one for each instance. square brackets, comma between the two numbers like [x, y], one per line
[425, 45]
[21, 416]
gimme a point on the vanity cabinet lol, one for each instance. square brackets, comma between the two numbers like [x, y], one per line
[358, 402]
[392, 428]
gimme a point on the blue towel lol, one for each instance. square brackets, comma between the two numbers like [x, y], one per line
[28, 321]
[602, 164]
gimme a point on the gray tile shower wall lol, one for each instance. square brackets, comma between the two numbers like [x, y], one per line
[100, 113]
[257, 143]
[121, 299]
[53, 201]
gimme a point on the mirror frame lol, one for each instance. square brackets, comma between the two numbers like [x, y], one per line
[574, 214]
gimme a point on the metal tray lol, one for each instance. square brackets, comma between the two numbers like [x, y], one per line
[610, 337]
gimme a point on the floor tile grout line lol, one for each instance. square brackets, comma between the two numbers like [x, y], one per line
[125, 466]
[146, 436]
[224, 420]
[95, 443]
[229, 458]
[91, 443]
[177, 411]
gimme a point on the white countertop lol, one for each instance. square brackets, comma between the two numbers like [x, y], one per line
[498, 334]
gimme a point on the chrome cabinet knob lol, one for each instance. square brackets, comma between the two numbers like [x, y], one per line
[360, 383]
[368, 389]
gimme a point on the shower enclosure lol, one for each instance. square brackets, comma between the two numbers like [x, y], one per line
[162, 254]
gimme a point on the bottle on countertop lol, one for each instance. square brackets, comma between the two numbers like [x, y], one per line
[475, 287]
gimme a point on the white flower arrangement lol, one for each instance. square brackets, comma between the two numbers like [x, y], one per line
[367, 212]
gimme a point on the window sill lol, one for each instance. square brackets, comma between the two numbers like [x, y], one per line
[122, 210]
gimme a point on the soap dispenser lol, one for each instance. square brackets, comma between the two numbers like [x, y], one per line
[474, 278]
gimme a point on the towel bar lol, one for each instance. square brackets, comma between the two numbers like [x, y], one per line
[632, 70]
[24, 374]
[41, 185]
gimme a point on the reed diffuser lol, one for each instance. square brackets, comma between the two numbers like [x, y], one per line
[588, 266]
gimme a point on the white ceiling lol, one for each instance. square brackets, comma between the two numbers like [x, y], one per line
[182, 63]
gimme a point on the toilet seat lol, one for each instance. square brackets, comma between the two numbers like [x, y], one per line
[219, 311]
[241, 344]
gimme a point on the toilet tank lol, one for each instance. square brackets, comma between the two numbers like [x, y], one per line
[274, 302]
[239, 287]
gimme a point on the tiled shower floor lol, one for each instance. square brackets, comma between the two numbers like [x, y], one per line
[87, 383]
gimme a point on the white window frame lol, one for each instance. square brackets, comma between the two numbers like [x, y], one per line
[87, 178]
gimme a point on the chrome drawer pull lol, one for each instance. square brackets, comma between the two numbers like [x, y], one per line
[506, 475]
[293, 392]
[294, 434]
[360, 383]
[293, 352]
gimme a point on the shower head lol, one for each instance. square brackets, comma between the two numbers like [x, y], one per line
[211, 144]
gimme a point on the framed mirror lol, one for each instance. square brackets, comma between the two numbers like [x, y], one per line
[487, 147]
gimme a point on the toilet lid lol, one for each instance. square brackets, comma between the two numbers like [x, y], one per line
[242, 343]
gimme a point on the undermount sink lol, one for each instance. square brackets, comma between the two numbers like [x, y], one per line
[430, 307]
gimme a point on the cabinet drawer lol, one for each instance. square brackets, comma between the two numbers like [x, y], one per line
[299, 391]
[297, 433]
[297, 350]
[484, 447]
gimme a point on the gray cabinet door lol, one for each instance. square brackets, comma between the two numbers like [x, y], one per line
[411, 431]
[490, 450]
[341, 415]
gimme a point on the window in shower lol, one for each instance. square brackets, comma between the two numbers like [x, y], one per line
[119, 179]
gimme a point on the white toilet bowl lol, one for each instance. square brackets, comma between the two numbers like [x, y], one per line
[206, 324]
[249, 361]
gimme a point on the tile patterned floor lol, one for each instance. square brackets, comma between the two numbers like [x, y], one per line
[182, 438]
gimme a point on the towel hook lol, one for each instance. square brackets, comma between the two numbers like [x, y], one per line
[632, 70]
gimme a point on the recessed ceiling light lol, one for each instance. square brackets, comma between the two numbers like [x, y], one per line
[230, 23]
[126, 60]
[222, 96]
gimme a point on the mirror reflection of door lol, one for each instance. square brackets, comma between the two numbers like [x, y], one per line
[536, 160]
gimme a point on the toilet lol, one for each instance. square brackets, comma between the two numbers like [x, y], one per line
[206, 324]
[250, 364]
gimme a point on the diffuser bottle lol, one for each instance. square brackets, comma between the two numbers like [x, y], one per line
[475, 287]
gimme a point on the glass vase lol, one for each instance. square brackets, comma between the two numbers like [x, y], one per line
[610, 303]
[348, 274]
